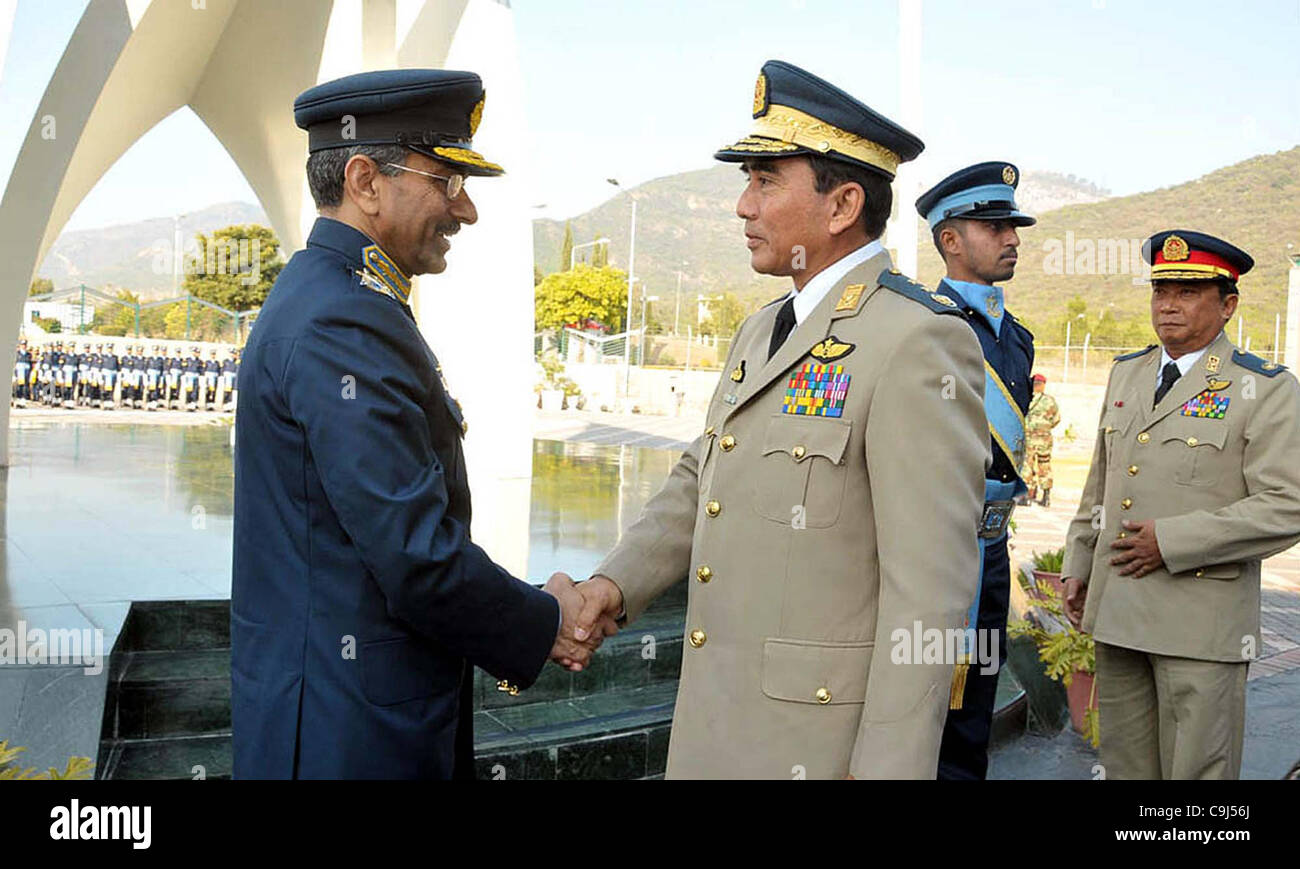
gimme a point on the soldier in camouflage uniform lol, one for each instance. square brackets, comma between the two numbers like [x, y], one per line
[1043, 416]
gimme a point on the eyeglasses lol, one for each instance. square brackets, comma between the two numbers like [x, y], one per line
[455, 183]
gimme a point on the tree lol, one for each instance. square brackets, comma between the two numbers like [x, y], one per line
[537, 275]
[599, 254]
[725, 316]
[40, 286]
[566, 248]
[569, 297]
[235, 268]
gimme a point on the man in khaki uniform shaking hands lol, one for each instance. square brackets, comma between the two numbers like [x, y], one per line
[826, 516]
[1195, 479]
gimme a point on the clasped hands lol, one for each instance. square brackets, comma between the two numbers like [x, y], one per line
[587, 615]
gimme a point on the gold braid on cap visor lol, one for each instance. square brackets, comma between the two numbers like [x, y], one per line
[800, 128]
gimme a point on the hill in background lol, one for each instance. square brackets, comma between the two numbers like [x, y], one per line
[126, 255]
[1254, 204]
[688, 222]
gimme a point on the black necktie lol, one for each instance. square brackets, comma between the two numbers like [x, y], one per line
[1168, 375]
[784, 326]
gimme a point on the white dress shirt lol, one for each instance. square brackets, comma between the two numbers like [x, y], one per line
[820, 284]
[1184, 362]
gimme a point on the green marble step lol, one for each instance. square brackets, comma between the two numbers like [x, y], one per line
[180, 757]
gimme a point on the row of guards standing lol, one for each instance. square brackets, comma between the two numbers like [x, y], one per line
[76, 375]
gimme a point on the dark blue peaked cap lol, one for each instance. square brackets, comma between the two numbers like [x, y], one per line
[795, 112]
[985, 191]
[433, 111]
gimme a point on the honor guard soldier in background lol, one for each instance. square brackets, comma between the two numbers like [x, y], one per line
[229, 371]
[45, 377]
[352, 506]
[83, 374]
[128, 377]
[137, 377]
[68, 365]
[1194, 480]
[192, 379]
[174, 368]
[211, 374]
[809, 547]
[153, 377]
[973, 218]
[91, 392]
[109, 372]
[1043, 416]
[22, 371]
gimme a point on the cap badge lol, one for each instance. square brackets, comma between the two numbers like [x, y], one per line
[760, 95]
[1175, 249]
[1008, 175]
[476, 115]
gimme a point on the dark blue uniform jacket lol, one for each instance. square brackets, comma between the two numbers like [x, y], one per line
[358, 601]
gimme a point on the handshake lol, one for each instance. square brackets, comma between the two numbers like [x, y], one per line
[588, 611]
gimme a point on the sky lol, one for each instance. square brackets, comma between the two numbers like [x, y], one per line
[1133, 95]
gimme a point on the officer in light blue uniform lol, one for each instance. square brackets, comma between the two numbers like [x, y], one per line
[359, 604]
[973, 217]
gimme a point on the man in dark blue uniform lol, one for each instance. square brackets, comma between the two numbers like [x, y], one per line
[973, 217]
[359, 605]
[22, 372]
[229, 370]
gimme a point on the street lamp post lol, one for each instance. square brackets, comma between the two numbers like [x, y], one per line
[631, 258]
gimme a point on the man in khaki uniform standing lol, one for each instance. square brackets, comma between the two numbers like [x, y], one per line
[826, 516]
[1194, 480]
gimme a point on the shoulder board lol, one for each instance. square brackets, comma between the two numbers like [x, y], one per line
[1135, 354]
[1257, 364]
[905, 286]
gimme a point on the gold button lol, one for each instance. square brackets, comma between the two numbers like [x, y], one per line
[708, 431]
[728, 443]
[698, 638]
[895, 272]
[1191, 442]
[798, 452]
[823, 695]
[713, 508]
[1144, 437]
[703, 573]
[1126, 503]
[507, 688]
[1132, 470]
[1200, 573]
[1123, 534]
[1108, 430]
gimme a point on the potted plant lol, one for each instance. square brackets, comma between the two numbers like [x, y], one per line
[1068, 655]
[550, 390]
[1047, 570]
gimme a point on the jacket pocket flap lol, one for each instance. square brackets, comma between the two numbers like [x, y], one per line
[397, 670]
[807, 671]
[1197, 432]
[803, 436]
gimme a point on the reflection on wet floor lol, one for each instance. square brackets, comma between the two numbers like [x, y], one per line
[96, 516]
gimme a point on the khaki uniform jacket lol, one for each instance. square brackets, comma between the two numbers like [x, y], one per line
[1225, 493]
[811, 541]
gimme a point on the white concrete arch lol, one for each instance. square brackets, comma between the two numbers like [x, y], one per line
[238, 64]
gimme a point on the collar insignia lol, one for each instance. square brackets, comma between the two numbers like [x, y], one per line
[1213, 362]
[381, 267]
[738, 374]
[849, 298]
